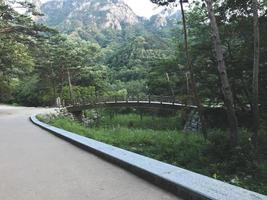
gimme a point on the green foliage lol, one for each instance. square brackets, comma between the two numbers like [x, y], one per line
[228, 160]
[30, 92]
[15, 62]
[18, 34]
[244, 166]
[5, 90]
[79, 92]
[159, 144]
[166, 78]
[132, 61]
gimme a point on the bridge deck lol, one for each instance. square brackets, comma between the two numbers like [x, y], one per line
[143, 104]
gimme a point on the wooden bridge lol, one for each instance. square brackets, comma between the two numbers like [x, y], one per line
[158, 102]
[167, 103]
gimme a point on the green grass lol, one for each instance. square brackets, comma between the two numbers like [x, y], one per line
[164, 145]
[153, 138]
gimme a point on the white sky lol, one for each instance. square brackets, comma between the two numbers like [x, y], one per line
[141, 7]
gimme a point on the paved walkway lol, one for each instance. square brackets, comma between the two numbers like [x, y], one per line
[35, 165]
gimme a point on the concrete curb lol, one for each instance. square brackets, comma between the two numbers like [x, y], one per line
[183, 183]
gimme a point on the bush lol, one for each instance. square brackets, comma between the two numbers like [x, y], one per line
[227, 160]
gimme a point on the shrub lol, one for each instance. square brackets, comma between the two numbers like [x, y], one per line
[227, 160]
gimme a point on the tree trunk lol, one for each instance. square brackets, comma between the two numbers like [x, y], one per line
[255, 83]
[54, 85]
[170, 84]
[226, 88]
[70, 85]
[192, 76]
[61, 82]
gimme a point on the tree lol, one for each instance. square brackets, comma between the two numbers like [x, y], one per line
[18, 35]
[226, 88]
[63, 61]
[197, 100]
[255, 83]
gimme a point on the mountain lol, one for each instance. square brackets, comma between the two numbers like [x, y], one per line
[102, 21]
[164, 19]
[37, 3]
[96, 14]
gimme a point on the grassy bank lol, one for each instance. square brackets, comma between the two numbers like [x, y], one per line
[153, 138]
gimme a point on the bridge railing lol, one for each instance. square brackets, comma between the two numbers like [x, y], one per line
[115, 99]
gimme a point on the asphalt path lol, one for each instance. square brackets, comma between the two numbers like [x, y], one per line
[35, 165]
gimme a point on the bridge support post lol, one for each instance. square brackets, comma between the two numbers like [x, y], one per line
[111, 115]
[141, 115]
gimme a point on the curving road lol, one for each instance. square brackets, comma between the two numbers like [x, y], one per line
[35, 165]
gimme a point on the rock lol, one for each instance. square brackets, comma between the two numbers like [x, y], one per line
[193, 123]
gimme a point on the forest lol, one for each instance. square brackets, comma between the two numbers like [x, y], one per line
[213, 56]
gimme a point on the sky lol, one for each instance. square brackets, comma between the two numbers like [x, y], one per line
[142, 8]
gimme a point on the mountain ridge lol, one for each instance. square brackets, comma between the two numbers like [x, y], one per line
[67, 15]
